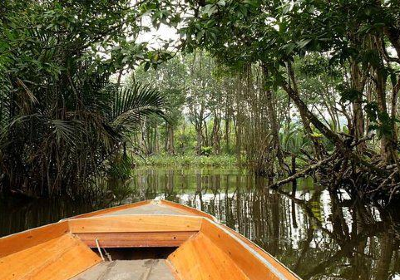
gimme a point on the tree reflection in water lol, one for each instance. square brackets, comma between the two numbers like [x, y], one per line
[318, 234]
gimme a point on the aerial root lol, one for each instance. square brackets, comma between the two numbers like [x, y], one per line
[341, 171]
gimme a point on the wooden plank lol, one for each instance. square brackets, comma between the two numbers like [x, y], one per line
[68, 265]
[16, 264]
[29, 238]
[246, 258]
[200, 258]
[112, 209]
[59, 258]
[279, 266]
[133, 223]
[136, 239]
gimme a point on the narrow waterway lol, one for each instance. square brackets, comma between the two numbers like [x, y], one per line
[317, 234]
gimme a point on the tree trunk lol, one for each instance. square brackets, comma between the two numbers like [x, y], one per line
[205, 137]
[227, 131]
[387, 152]
[302, 107]
[394, 108]
[215, 134]
[272, 116]
[227, 123]
[329, 134]
[170, 140]
[358, 83]
[318, 148]
[199, 132]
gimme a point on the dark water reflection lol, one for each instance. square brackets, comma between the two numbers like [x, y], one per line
[317, 234]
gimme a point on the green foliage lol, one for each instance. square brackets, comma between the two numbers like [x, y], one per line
[348, 94]
[380, 121]
[120, 168]
[192, 86]
[133, 103]
[169, 79]
[206, 151]
[293, 140]
[187, 161]
[61, 118]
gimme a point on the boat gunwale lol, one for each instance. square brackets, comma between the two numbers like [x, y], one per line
[174, 205]
[110, 210]
[30, 236]
[189, 209]
[248, 244]
[33, 229]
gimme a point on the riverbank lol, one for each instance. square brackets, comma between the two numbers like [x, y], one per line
[221, 161]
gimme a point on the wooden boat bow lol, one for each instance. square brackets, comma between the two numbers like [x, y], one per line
[151, 239]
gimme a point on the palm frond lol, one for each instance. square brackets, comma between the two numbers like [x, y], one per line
[132, 104]
[65, 130]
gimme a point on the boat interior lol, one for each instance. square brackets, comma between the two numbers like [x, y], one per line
[150, 240]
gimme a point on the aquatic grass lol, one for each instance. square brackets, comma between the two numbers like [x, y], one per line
[187, 161]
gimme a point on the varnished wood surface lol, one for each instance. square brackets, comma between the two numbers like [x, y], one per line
[133, 223]
[136, 239]
[187, 209]
[208, 250]
[162, 203]
[274, 262]
[29, 238]
[57, 259]
[246, 260]
[149, 209]
[199, 259]
[112, 209]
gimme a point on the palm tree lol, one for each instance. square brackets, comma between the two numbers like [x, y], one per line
[46, 149]
[60, 117]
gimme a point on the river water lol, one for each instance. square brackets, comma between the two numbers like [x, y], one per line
[317, 234]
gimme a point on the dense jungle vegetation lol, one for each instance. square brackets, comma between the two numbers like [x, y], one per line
[264, 83]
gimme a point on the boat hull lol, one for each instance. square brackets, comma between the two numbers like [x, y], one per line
[189, 243]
